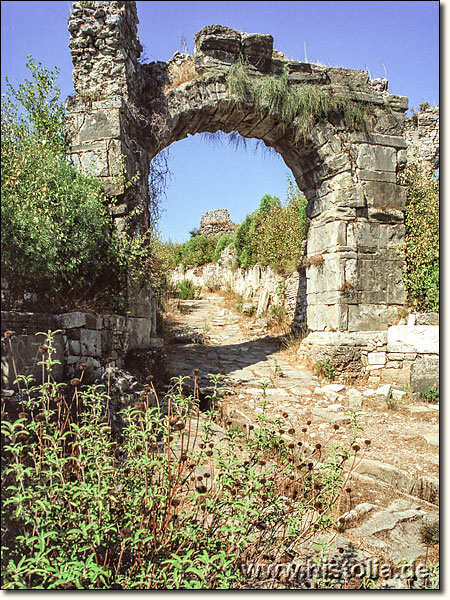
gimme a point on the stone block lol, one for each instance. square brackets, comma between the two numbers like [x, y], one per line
[377, 158]
[427, 318]
[422, 339]
[376, 358]
[383, 194]
[139, 330]
[100, 125]
[74, 347]
[91, 342]
[71, 320]
[425, 374]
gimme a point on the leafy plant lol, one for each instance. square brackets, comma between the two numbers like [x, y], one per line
[199, 250]
[167, 504]
[431, 396]
[323, 368]
[186, 289]
[421, 250]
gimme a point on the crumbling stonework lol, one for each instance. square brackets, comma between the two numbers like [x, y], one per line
[422, 137]
[216, 222]
[349, 177]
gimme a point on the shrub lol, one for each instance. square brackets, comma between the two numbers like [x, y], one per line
[186, 289]
[151, 509]
[273, 235]
[421, 274]
[199, 250]
[225, 240]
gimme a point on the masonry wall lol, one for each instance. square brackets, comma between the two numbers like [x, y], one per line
[88, 338]
[259, 286]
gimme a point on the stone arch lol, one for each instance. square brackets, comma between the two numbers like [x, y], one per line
[123, 110]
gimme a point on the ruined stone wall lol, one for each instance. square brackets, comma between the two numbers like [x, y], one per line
[87, 338]
[260, 287]
[216, 222]
[422, 137]
[348, 175]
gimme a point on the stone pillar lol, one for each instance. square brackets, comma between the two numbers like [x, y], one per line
[102, 121]
[354, 260]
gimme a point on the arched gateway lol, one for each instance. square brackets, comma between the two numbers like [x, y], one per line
[126, 112]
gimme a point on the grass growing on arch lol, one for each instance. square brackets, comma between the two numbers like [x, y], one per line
[297, 105]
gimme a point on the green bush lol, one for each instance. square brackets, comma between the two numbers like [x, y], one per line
[199, 250]
[225, 240]
[165, 505]
[186, 289]
[421, 275]
[57, 231]
[273, 235]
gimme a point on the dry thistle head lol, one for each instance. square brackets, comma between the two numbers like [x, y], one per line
[110, 359]
[84, 366]
[149, 378]
[173, 420]
[335, 426]
[9, 333]
[367, 442]
[291, 431]
[356, 448]
[285, 415]
[75, 381]
[196, 372]
[139, 405]
[125, 532]
[40, 417]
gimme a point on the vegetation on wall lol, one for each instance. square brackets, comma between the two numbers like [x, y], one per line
[57, 231]
[296, 105]
[421, 274]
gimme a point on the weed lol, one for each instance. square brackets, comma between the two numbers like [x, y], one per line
[431, 396]
[323, 368]
[164, 505]
[186, 289]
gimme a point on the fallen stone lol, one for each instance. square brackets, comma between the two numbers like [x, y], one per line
[398, 394]
[331, 416]
[432, 438]
[423, 339]
[333, 387]
[384, 391]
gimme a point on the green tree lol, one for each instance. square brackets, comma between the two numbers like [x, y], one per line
[56, 229]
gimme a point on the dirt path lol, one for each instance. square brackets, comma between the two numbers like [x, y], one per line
[401, 464]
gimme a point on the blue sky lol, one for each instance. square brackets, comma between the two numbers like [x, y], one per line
[396, 39]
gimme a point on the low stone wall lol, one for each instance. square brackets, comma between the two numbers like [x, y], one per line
[407, 353]
[82, 338]
[260, 287]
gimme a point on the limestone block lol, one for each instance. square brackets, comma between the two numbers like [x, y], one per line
[74, 347]
[378, 158]
[91, 342]
[379, 194]
[100, 125]
[376, 358]
[427, 318]
[370, 317]
[71, 320]
[425, 374]
[423, 339]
